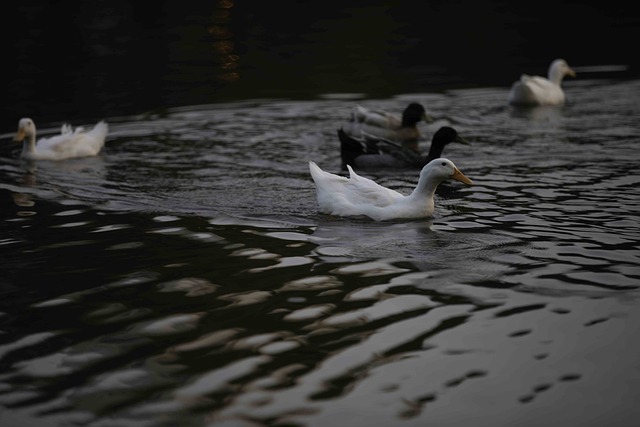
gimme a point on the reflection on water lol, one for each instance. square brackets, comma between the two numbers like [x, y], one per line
[184, 277]
[223, 43]
[539, 113]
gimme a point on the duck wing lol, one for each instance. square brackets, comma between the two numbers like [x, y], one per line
[363, 190]
[535, 90]
[373, 151]
[74, 143]
[355, 195]
[401, 153]
[537, 83]
[377, 118]
[376, 122]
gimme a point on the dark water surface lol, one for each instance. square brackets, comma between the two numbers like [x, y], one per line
[185, 278]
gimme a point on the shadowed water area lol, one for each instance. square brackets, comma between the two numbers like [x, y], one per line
[185, 277]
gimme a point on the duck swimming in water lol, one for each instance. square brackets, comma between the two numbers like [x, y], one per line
[68, 144]
[538, 90]
[360, 196]
[393, 127]
[369, 152]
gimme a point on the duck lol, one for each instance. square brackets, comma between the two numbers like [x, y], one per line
[383, 124]
[538, 90]
[360, 196]
[371, 152]
[70, 143]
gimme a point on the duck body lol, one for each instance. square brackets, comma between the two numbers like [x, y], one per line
[382, 124]
[370, 152]
[538, 90]
[70, 143]
[360, 196]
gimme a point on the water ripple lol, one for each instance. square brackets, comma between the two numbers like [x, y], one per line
[185, 277]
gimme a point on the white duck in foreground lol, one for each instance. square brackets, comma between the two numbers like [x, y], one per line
[537, 90]
[69, 144]
[356, 195]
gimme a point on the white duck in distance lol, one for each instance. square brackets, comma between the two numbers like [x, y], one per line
[69, 144]
[538, 90]
[382, 124]
[359, 196]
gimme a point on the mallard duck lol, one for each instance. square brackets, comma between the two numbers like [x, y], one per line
[382, 124]
[370, 152]
[357, 196]
[538, 90]
[69, 144]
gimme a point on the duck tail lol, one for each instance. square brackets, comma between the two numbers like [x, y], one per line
[316, 172]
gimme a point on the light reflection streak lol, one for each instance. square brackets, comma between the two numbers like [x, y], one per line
[223, 45]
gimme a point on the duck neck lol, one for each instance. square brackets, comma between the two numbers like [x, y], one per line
[426, 186]
[422, 197]
[555, 75]
[29, 145]
[435, 151]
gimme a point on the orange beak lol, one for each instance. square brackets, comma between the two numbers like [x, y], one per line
[459, 176]
[20, 135]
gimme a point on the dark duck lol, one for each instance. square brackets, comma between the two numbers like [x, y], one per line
[372, 152]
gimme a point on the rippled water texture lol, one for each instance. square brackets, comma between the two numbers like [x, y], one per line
[185, 277]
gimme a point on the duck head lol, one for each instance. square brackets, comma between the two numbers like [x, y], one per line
[559, 69]
[26, 128]
[442, 169]
[446, 135]
[413, 114]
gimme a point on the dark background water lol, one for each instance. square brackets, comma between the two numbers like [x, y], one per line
[78, 60]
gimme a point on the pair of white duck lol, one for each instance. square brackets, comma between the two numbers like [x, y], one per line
[336, 195]
[357, 196]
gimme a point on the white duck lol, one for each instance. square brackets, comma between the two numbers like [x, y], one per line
[356, 195]
[69, 144]
[537, 90]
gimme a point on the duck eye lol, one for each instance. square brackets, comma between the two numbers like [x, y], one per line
[444, 163]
